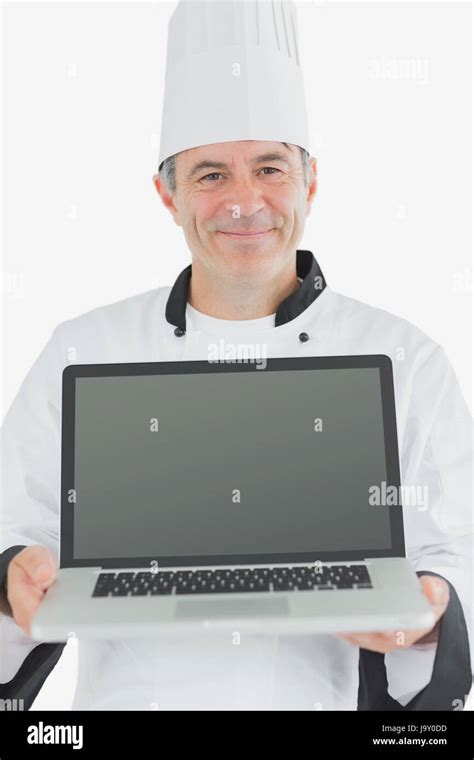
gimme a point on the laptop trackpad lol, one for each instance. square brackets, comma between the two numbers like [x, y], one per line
[235, 608]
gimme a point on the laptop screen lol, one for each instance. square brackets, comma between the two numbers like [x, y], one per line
[229, 463]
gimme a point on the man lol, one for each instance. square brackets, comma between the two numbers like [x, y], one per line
[241, 193]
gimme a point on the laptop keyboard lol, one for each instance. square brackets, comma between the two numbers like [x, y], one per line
[225, 581]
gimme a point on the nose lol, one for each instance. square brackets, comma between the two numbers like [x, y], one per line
[243, 195]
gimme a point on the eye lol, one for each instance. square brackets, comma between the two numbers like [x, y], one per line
[270, 168]
[213, 174]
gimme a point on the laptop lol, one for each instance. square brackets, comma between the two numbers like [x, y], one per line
[201, 495]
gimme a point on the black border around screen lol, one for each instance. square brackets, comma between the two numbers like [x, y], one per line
[73, 371]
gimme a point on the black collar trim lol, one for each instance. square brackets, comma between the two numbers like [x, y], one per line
[306, 267]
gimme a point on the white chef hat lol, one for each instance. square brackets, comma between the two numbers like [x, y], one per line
[232, 73]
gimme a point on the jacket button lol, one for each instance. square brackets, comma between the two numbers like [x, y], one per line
[304, 337]
[179, 332]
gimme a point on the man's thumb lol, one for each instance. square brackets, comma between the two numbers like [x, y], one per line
[40, 567]
[437, 591]
[42, 571]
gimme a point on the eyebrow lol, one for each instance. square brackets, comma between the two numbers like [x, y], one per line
[208, 164]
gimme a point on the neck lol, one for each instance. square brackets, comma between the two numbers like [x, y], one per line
[235, 299]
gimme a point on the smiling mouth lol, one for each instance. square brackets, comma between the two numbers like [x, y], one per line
[243, 235]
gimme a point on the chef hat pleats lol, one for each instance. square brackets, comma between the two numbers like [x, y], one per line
[232, 73]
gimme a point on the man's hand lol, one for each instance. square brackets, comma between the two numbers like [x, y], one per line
[30, 573]
[437, 592]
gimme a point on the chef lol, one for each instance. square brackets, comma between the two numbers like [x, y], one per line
[236, 174]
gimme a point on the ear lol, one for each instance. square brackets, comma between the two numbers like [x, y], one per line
[167, 199]
[313, 184]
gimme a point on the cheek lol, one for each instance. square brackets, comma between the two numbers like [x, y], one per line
[283, 201]
[204, 210]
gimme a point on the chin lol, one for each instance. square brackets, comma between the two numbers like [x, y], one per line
[251, 261]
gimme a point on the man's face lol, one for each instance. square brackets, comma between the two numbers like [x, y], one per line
[242, 205]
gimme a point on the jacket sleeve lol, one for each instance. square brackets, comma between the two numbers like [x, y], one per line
[30, 462]
[436, 456]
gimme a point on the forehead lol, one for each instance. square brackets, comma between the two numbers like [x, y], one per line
[232, 151]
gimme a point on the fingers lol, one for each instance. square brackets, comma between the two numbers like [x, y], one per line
[382, 641]
[30, 573]
[437, 592]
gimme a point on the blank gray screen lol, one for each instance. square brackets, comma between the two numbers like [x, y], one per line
[228, 463]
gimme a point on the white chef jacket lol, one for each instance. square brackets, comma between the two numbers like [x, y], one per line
[217, 671]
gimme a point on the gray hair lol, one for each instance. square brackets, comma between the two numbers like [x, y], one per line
[167, 170]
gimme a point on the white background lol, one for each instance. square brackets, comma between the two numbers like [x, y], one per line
[388, 89]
